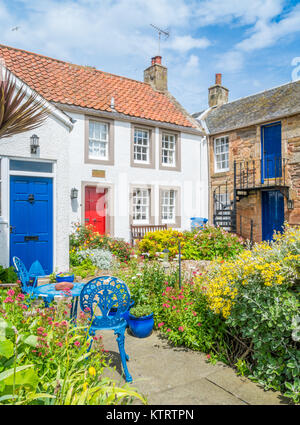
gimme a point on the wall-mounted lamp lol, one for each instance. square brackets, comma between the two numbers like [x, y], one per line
[74, 193]
[290, 204]
[34, 143]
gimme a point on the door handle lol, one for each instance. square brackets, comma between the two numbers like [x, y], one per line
[11, 229]
[30, 198]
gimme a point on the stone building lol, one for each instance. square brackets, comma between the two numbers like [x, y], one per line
[254, 157]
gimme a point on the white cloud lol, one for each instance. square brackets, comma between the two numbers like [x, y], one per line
[231, 61]
[186, 43]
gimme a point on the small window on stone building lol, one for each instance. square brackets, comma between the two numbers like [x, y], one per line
[221, 149]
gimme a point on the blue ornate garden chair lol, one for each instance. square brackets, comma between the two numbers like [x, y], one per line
[28, 280]
[99, 296]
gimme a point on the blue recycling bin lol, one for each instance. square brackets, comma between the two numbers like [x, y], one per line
[198, 222]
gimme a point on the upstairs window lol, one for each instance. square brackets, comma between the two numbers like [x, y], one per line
[221, 147]
[98, 140]
[168, 154]
[141, 146]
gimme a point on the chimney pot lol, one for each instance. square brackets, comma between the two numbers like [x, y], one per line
[156, 59]
[219, 79]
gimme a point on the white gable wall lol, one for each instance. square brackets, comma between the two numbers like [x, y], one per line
[54, 139]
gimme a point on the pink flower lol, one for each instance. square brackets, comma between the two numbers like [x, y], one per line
[160, 324]
[77, 343]
[168, 330]
[164, 294]
[11, 292]
[87, 309]
[21, 296]
[208, 356]
[173, 307]
[181, 328]
[59, 344]
[180, 297]
[8, 300]
[199, 324]
[64, 323]
[168, 288]
[194, 313]
[166, 305]
[166, 283]
[24, 307]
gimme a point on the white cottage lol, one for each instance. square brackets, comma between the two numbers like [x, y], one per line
[114, 152]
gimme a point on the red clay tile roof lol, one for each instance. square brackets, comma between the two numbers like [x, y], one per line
[70, 84]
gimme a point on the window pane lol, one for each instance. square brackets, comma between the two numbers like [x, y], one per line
[168, 149]
[141, 202]
[222, 153]
[168, 211]
[42, 167]
[141, 145]
[98, 140]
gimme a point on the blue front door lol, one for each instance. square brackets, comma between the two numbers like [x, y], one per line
[272, 213]
[271, 151]
[31, 221]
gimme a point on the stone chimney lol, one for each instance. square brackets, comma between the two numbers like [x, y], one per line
[217, 94]
[157, 75]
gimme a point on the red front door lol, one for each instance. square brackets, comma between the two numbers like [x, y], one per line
[95, 209]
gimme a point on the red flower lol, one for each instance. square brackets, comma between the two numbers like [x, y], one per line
[77, 343]
[160, 324]
[8, 300]
[181, 328]
[208, 356]
[168, 330]
[11, 292]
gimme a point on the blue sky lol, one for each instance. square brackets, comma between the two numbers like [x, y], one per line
[252, 43]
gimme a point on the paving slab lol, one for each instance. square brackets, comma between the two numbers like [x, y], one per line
[179, 376]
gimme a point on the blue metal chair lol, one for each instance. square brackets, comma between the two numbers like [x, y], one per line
[99, 296]
[28, 281]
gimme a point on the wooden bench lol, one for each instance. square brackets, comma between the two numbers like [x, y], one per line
[138, 232]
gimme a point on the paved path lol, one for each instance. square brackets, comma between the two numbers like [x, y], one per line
[179, 376]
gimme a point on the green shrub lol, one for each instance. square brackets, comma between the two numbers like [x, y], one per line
[84, 237]
[141, 310]
[257, 296]
[206, 244]
[8, 275]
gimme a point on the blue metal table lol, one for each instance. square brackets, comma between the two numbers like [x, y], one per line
[48, 292]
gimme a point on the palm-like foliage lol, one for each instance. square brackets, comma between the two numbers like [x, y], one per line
[18, 113]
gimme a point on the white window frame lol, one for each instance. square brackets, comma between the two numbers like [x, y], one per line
[168, 206]
[221, 170]
[141, 146]
[168, 150]
[147, 205]
[100, 141]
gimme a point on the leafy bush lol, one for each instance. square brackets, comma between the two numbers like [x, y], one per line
[185, 319]
[141, 310]
[255, 295]
[84, 237]
[8, 275]
[207, 244]
[43, 358]
[99, 257]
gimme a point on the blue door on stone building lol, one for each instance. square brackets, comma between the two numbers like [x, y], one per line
[272, 213]
[31, 220]
[271, 162]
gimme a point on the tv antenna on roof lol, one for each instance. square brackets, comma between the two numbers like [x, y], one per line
[160, 32]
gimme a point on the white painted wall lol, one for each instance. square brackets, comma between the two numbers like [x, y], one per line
[54, 146]
[192, 178]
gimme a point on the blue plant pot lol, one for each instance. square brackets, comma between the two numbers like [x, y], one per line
[69, 278]
[141, 327]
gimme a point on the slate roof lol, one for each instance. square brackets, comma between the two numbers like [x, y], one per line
[262, 107]
[66, 83]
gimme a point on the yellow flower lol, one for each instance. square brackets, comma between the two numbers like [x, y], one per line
[92, 371]
[85, 386]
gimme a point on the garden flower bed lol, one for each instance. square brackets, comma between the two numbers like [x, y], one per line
[43, 357]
